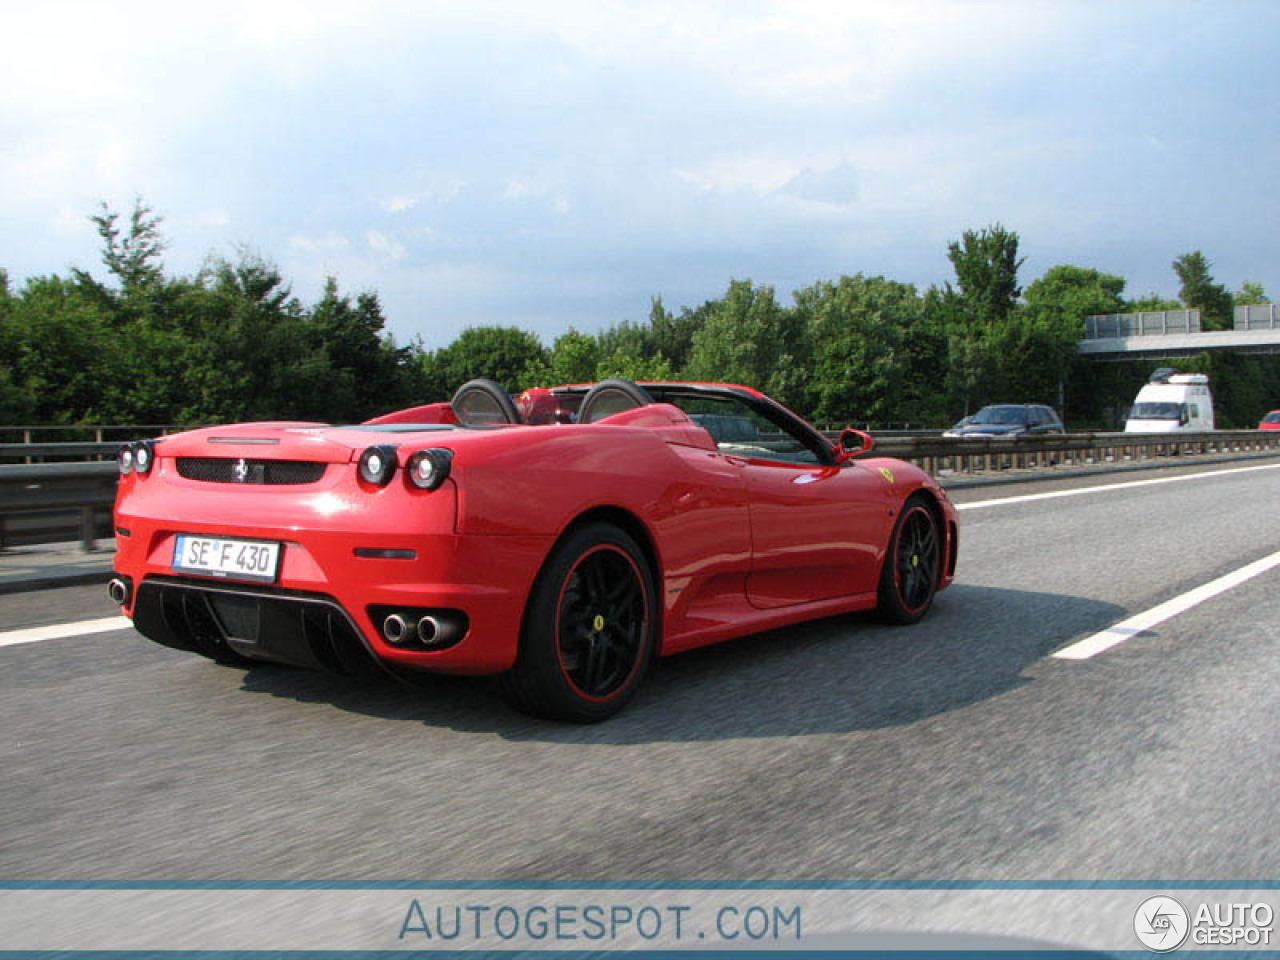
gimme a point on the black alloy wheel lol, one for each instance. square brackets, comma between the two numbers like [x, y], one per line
[601, 622]
[589, 630]
[909, 578]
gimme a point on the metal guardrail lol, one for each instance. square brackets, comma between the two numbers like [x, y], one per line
[29, 492]
[100, 432]
[992, 454]
[86, 491]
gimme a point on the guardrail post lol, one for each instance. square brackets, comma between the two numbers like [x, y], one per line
[87, 541]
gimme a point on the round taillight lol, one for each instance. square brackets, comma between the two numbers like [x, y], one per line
[378, 465]
[144, 455]
[124, 459]
[428, 469]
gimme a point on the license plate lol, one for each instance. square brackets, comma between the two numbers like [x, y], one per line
[255, 560]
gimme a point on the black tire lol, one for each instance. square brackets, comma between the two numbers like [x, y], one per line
[589, 630]
[912, 564]
[612, 396]
[482, 401]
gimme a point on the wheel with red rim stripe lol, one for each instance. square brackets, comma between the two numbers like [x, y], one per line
[912, 564]
[589, 629]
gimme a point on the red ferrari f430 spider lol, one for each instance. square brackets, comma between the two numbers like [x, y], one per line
[561, 540]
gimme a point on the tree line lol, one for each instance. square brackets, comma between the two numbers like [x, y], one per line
[233, 343]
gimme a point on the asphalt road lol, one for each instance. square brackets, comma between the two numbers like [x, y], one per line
[958, 748]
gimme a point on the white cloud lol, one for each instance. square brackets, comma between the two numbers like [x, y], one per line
[384, 246]
[213, 217]
[329, 243]
[400, 203]
[519, 191]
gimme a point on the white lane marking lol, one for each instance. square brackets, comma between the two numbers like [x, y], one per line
[1122, 631]
[1078, 491]
[58, 631]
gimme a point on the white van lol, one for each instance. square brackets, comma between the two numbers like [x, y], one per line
[1172, 402]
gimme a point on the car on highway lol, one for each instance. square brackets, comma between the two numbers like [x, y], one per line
[1271, 421]
[560, 540]
[1008, 420]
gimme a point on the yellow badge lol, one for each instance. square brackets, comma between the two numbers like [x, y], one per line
[598, 623]
[887, 474]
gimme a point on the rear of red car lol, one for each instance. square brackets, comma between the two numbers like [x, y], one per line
[331, 548]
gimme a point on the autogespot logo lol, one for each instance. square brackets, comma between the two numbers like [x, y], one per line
[1161, 924]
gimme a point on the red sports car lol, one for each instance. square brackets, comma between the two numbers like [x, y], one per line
[561, 540]
[1271, 421]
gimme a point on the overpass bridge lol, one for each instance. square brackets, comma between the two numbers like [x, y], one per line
[1159, 334]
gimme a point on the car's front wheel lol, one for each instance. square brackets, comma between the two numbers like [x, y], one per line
[589, 630]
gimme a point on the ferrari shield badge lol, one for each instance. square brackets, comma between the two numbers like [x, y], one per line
[887, 474]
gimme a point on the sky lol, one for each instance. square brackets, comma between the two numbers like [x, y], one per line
[558, 164]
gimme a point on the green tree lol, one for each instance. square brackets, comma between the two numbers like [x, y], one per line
[627, 337]
[1198, 290]
[750, 338]
[15, 405]
[1151, 303]
[1250, 294]
[62, 351]
[1072, 293]
[1036, 348]
[573, 358]
[671, 336]
[986, 263]
[858, 329]
[362, 362]
[629, 366]
[132, 256]
[503, 354]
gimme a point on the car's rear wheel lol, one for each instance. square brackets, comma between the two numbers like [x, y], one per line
[909, 576]
[589, 629]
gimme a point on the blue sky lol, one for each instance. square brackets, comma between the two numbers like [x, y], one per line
[549, 164]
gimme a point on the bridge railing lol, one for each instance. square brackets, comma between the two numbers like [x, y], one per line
[46, 502]
[1256, 316]
[1108, 326]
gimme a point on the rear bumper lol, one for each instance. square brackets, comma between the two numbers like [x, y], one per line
[283, 626]
[318, 611]
[335, 622]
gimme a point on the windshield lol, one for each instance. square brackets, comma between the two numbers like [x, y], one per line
[1156, 411]
[1272, 417]
[1005, 415]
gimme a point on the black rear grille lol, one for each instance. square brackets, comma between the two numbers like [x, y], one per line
[233, 470]
[241, 624]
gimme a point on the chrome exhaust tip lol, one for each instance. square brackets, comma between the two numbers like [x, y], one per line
[118, 591]
[394, 628]
[428, 630]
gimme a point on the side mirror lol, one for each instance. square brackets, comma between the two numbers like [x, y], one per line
[852, 443]
[1183, 417]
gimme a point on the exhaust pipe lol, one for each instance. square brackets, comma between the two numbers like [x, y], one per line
[118, 591]
[428, 630]
[394, 628]
[442, 629]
